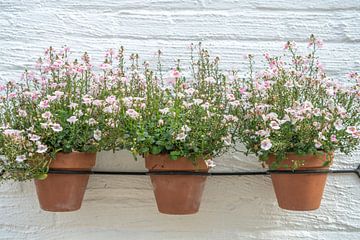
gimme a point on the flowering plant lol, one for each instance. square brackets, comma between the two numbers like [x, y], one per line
[54, 111]
[293, 106]
[175, 114]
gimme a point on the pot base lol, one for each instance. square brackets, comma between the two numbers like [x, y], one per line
[176, 194]
[65, 192]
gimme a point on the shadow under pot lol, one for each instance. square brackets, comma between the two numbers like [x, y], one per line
[176, 194]
[65, 192]
[300, 192]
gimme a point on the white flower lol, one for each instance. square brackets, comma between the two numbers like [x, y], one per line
[181, 137]
[132, 113]
[92, 122]
[198, 101]
[266, 144]
[190, 91]
[72, 119]
[338, 125]
[20, 158]
[97, 135]
[227, 140]
[164, 111]
[73, 105]
[230, 97]
[161, 122]
[185, 129]
[230, 118]
[274, 125]
[56, 127]
[41, 148]
[22, 113]
[210, 163]
[210, 80]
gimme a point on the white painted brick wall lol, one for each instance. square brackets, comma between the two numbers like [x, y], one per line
[233, 207]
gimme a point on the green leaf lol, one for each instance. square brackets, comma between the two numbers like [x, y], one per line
[156, 150]
[144, 150]
[174, 155]
[41, 176]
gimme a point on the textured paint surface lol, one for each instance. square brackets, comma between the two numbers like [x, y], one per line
[123, 207]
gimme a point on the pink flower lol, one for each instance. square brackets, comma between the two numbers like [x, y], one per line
[72, 119]
[105, 66]
[274, 125]
[58, 94]
[20, 158]
[97, 102]
[46, 115]
[317, 144]
[175, 73]
[190, 91]
[56, 127]
[333, 138]
[132, 113]
[266, 144]
[44, 104]
[22, 113]
[41, 148]
[34, 137]
[73, 105]
[351, 129]
[110, 99]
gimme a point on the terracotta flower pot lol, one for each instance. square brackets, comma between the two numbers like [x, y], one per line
[65, 192]
[300, 192]
[176, 194]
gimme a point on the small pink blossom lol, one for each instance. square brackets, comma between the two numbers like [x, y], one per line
[274, 125]
[132, 113]
[46, 115]
[175, 73]
[266, 144]
[56, 127]
[41, 148]
[351, 129]
[72, 119]
[333, 138]
[210, 163]
[20, 158]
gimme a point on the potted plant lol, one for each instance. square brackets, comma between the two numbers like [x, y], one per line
[295, 117]
[177, 123]
[59, 112]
